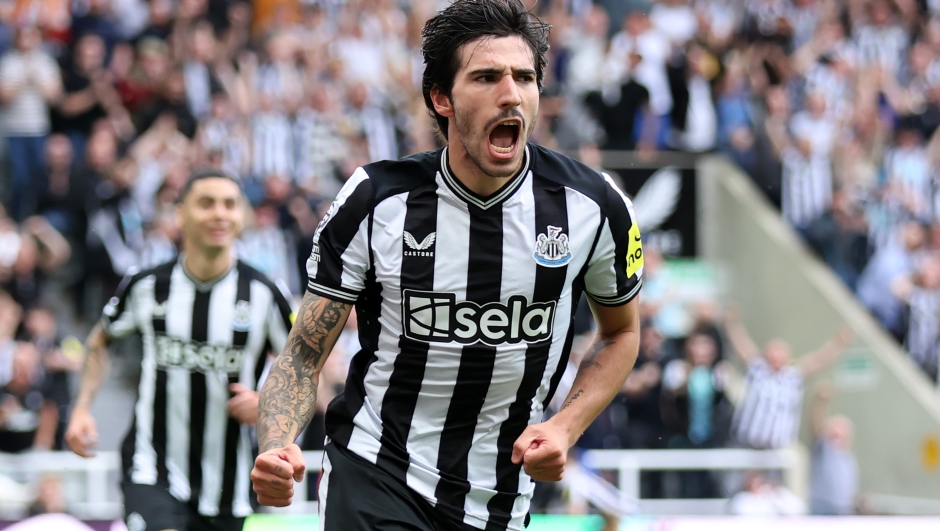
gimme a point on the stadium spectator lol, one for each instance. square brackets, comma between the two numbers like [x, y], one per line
[61, 356]
[266, 246]
[693, 120]
[224, 133]
[10, 314]
[89, 94]
[768, 415]
[642, 392]
[921, 292]
[840, 237]
[897, 259]
[618, 113]
[834, 474]
[116, 231]
[693, 395]
[586, 47]
[202, 80]
[29, 84]
[763, 498]
[39, 250]
[49, 497]
[171, 100]
[695, 411]
[28, 412]
[638, 36]
[61, 193]
[162, 240]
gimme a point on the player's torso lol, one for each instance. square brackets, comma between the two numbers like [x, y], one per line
[213, 329]
[466, 278]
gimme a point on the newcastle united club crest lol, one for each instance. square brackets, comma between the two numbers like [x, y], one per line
[552, 250]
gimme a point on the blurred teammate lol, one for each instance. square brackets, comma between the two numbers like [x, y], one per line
[206, 320]
[465, 266]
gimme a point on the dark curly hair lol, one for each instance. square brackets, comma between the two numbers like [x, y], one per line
[467, 20]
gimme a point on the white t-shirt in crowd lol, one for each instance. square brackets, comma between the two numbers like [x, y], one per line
[819, 130]
[654, 48]
[28, 113]
[677, 23]
[701, 123]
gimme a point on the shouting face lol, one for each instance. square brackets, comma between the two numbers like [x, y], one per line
[492, 107]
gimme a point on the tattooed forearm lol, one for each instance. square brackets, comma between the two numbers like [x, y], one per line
[94, 369]
[590, 359]
[572, 399]
[289, 395]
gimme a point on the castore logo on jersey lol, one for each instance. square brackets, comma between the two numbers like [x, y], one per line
[552, 250]
[439, 318]
[422, 248]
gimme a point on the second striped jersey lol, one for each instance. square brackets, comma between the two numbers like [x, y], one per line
[198, 338]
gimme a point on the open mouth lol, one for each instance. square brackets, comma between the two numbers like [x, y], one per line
[505, 135]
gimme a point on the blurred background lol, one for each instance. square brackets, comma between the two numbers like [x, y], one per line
[783, 160]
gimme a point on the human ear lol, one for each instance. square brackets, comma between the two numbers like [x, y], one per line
[442, 104]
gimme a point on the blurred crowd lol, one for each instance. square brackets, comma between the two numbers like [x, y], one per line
[831, 106]
[684, 393]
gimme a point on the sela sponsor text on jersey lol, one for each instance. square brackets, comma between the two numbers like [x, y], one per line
[202, 357]
[438, 317]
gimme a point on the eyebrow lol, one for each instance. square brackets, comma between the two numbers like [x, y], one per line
[497, 71]
[216, 197]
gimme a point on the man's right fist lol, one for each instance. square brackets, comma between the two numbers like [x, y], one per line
[275, 473]
[82, 435]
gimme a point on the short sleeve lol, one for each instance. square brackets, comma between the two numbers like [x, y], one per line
[280, 317]
[117, 319]
[340, 258]
[615, 269]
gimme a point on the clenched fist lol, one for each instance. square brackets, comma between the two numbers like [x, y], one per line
[543, 450]
[81, 435]
[274, 475]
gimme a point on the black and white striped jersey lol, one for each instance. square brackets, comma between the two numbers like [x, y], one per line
[198, 338]
[923, 329]
[768, 416]
[465, 306]
[807, 187]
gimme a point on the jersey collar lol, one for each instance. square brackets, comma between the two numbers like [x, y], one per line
[476, 199]
[208, 284]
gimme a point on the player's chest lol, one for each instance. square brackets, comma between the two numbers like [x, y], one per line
[480, 255]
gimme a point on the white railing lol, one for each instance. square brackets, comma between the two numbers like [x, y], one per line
[91, 484]
[629, 464]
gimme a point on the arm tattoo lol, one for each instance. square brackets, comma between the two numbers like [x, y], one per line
[590, 359]
[572, 399]
[94, 370]
[289, 395]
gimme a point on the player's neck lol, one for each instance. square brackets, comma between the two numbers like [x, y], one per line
[471, 175]
[205, 266]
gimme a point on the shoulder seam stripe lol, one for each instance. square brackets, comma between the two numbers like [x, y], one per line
[331, 292]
